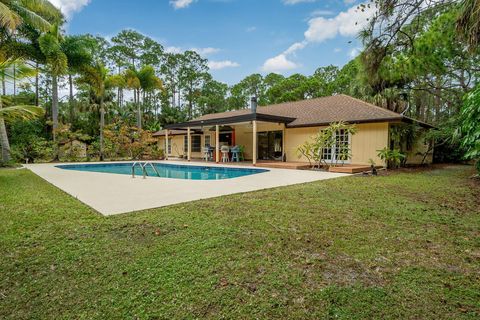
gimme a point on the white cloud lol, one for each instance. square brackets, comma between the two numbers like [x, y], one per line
[347, 23]
[279, 63]
[295, 47]
[205, 51]
[69, 7]
[336, 50]
[282, 62]
[251, 29]
[181, 4]
[291, 2]
[217, 65]
[318, 13]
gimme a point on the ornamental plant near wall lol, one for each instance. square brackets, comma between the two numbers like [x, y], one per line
[314, 150]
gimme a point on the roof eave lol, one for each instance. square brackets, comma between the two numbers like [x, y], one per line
[390, 119]
[231, 120]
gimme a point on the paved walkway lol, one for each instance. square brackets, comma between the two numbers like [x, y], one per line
[112, 194]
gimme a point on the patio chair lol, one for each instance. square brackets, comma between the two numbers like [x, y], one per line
[235, 154]
[207, 153]
[225, 150]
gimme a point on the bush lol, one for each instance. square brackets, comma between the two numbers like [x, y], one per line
[36, 150]
[392, 158]
[123, 141]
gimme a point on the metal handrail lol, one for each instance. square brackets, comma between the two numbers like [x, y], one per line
[133, 167]
[145, 169]
[143, 166]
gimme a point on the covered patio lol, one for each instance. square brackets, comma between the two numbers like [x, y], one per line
[241, 124]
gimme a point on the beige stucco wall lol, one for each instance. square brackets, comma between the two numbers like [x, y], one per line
[295, 137]
[177, 146]
[369, 138]
[365, 143]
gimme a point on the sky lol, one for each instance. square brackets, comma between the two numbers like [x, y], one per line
[238, 37]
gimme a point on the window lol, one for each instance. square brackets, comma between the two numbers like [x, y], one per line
[169, 146]
[196, 143]
[207, 140]
[340, 150]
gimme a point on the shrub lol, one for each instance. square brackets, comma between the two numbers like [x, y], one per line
[392, 158]
[36, 150]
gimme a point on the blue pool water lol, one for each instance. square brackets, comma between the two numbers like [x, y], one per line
[173, 171]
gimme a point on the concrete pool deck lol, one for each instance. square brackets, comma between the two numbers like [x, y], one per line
[112, 194]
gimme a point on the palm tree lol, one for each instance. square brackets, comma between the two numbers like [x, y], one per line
[57, 62]
[468, 23]
[141, 81]
[20, 17]
[97, 78]
[21, 112]
[133, 82]
[149, 82]
[38, 14]
[10, 69]
[78, 51]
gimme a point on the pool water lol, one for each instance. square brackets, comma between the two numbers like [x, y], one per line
[174, 171]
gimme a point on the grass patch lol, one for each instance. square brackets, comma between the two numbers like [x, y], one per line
[404, 245]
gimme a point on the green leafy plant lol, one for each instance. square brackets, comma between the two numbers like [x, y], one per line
[37, 149]
[314, 150]
[470, 126]
[392, 158]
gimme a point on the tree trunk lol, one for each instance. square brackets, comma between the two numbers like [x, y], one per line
[102, 125]
[36, 85]
[14, 80]
[139, 112]
[54, 105]
[4, 139]
[70, 100]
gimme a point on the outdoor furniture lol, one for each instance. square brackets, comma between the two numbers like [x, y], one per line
[225, 150]
[207, 153]
[235, 154]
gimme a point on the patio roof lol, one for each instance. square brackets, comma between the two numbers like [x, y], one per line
[231, 120]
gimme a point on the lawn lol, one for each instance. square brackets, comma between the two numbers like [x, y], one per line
[406, 245]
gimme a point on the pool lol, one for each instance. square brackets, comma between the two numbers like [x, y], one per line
[173, 171]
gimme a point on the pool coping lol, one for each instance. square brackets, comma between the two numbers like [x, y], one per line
[111, 194]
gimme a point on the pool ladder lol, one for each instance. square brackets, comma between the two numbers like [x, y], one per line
[143, 166]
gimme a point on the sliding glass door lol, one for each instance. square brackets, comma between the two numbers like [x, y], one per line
[270, 145]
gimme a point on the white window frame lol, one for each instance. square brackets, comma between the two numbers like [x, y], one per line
[205, 144]
[332, 152]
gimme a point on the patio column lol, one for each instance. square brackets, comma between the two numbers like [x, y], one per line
[217, 143]
[283, 143]
[254, 151]
[189, 144]
[166, 144]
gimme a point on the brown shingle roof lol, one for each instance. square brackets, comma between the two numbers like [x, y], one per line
[320, 111]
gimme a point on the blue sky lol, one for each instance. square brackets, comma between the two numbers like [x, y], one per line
[239, 37]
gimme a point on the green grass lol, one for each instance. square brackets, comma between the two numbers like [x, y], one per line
[406, 245]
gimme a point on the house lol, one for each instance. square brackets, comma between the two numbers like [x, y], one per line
[275, 132]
